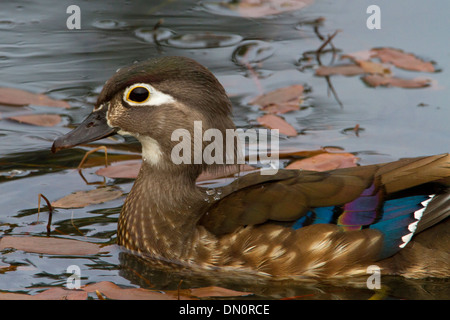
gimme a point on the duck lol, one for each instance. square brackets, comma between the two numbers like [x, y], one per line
[291, 224]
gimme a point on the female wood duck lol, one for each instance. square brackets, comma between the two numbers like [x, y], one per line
[293, 224]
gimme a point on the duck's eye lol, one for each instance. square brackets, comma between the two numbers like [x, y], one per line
[138, 95]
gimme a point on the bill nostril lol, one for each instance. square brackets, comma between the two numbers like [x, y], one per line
[90, 124]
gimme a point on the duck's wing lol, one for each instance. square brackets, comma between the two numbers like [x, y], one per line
[353, 197]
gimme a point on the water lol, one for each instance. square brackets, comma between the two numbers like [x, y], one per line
[39, 54]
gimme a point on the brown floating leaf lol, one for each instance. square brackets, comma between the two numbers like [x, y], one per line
[125, 169]
[281, 108]
[50, 294]
[373, 67]
[325, 161]
[365, 55]
[205, 292]
[82, 199]
[274, 122]
[112, 291]
[217, 292]
[292, 152]
[43, 120]
[287, 95]
[280, 100]
[375, 80]
[49, 245]
[17, 97]
[345, 70]
[261, 8]
[402, 59]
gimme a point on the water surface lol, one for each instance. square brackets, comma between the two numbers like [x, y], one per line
[39, 54]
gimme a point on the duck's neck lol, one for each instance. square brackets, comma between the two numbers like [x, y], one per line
[161, 212]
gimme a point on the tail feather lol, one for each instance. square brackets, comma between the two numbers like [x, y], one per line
[437, 210]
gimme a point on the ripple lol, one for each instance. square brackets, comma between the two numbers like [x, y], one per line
[252, 51]
[7, 24]
[149, 34]
[255, 9]
[203, 40]
[108, 24]
[353, 130]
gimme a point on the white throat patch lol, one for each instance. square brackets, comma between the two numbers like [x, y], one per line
[151, 151]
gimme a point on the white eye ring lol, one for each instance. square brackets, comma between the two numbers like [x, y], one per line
[127, 95]
[155, 97]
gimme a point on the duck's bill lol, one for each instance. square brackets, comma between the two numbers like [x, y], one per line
[94, 127]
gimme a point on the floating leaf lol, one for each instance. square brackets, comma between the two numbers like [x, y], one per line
[49, 245]
[364, 55]
[345, 70]
[112, 291]
[373, 67]
[281, 108]
[378, 80]
[274, 122]
[282, 95]
[212, 291]
[262, 8]
[125, 169]
[17, 97]
[281, 100]
[403, 60]
[43, 120]
[50, 294]
[291, 152]
[325, 161]
[82, 199]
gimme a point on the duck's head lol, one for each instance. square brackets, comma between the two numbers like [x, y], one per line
[151, 100]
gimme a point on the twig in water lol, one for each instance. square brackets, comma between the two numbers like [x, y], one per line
[178, 288]
[326, 42]
[318, 53]
[50, 211]
[317, 23]
[80, 166]
[155, 34]
[92, 151]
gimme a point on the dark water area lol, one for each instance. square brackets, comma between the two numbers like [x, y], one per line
[38, 53]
